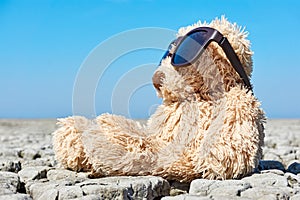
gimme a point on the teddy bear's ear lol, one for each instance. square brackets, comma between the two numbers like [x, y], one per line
[157, 80]
[237, 37]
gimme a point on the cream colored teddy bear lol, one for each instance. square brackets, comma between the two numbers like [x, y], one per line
[208, 126]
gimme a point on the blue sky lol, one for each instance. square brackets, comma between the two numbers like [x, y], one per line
[44, 43]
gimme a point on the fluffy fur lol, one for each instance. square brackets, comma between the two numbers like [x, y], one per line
[209, 125]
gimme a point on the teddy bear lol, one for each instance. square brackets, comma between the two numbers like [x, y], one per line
[209, 125]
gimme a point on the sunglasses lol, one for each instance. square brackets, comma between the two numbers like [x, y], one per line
[190, 47]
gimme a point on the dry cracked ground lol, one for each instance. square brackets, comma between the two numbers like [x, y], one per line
[28, 170]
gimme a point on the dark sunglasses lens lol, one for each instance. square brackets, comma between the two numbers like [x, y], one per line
[164, 56]
[167, 53]
[190, 48]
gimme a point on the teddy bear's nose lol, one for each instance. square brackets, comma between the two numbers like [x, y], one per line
[157, 79]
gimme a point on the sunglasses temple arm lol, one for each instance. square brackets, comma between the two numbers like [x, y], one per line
[234, 60]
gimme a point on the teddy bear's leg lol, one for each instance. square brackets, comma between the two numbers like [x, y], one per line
[118, 146]
[67, 143]
[233, 143]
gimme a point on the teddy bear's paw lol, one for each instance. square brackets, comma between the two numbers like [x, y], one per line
[96, 174]
[67, 143]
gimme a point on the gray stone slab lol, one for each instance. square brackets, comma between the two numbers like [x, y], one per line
[295, 197]
[9, 183]
[268, 179]
[69, 192]
[141, 187]
[44, 191]
[64, 174]
[15, 197]
[267, 192]
[186, 197]
[33, 173]
[205, 187]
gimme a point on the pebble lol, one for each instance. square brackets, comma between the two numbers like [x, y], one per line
[10, 164]
[28, 171]
[270, 164]
[178, 188]
[293, 180]
[294, 168]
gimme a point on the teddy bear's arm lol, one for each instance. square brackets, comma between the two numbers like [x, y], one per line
[117, 146]
[232, 145]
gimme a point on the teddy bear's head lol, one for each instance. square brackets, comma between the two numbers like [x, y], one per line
[211, 74]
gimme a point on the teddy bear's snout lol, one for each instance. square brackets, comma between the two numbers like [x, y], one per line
[157, 79]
